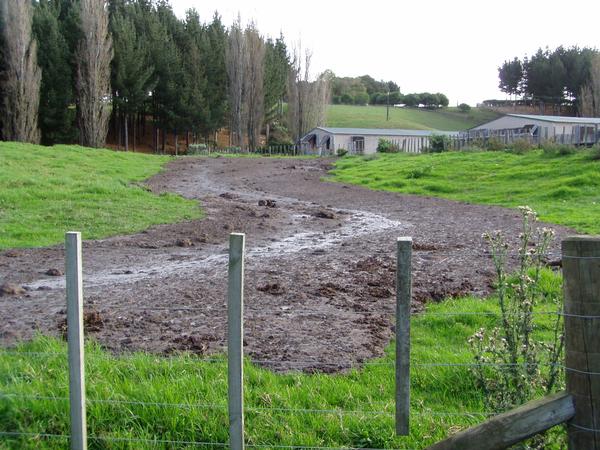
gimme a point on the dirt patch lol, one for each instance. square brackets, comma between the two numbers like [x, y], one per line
[320, 266]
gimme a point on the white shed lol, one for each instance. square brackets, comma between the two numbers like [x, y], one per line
[325, 140]
[576, 130]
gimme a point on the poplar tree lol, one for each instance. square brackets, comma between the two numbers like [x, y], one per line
[21, 76]
[94, 55]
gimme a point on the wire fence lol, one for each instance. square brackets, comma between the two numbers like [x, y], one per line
[418, 410]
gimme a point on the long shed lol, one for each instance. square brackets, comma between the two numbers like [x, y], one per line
[326, 140]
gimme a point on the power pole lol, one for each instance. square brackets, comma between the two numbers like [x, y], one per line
[388, 106]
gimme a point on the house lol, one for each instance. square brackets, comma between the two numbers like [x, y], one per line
[563, 129]
[325, 140]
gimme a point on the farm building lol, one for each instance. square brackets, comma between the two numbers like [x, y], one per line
[572, 130]
[365, 140]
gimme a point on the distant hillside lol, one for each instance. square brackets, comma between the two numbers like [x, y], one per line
[448, 119]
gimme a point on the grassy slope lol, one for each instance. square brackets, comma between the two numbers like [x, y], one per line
[562, 189]
[47, 191]
[450, 119]
[186, 379]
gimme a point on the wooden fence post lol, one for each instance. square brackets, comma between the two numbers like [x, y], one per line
[235, 340]
[403, 298]
[73, 272]
[581, 272]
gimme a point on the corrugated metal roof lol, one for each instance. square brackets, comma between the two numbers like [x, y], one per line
[382, 132]
[559, 119]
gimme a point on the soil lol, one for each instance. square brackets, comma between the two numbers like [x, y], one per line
[320, 267]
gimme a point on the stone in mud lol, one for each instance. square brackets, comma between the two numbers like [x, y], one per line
[184, 243]
[271, 288]
[54, 272]
[11, 289]
[11, 254]
[267, 203]
[322, 214]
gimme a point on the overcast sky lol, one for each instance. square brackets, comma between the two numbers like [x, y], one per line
[454, 47]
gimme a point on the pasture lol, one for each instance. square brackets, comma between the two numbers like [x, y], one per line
[446, 119]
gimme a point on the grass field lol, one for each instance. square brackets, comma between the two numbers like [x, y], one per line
[45, 191]
[443, 399]
[449, 119]
[562, 189]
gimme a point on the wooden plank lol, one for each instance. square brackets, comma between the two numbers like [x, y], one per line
[403, 298]
[581, 273]
[73, 272]
[235, 340]
[514, 426]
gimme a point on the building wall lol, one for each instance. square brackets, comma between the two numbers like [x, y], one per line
[408, 143]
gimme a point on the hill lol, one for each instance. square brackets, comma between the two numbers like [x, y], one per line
[448, 119]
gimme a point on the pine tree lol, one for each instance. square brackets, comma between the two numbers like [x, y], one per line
[56, 94]
[213, 56]
[276, 72]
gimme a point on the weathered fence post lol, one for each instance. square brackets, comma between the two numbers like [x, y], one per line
[581, 271]
[235, 340]
[73, 272]
[403, 298]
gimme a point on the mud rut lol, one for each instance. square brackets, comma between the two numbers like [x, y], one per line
[319, 268]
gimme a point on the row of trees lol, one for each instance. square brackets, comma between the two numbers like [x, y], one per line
[365, 90]
[71, 68]
[559, 76]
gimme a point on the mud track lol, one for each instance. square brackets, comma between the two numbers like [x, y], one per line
[319, 268]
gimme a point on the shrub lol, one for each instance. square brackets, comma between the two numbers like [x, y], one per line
[520, 146]
[595, 154]
[419, 173]
[494, 144]
[554, 149]
[279, 135]
[438, 143]
[341, 152]
[463, 107]
[387, 146]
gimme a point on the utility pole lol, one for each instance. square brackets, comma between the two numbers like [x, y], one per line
[388, 106]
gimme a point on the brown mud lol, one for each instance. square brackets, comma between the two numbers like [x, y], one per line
[320, 267]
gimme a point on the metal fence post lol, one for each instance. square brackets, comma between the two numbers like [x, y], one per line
[235, 340]
[75, 340]
[403, 299]
[581, 273]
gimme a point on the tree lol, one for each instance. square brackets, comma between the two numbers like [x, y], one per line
[213, 55]
[275, 82]
[589, 98]
[21, 76]
[56, 93]
[307, 100]
[235, 61]
[94, 55]
[511, 76]
[133, 75]
[254, 95]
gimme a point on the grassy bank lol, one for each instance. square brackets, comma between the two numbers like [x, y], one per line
[562, 189]
[443, 399]
[450, 119]
[45, 191]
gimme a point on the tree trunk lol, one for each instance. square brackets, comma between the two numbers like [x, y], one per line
[125, 122]
[135, 129]
[163, 140]
[176, 143]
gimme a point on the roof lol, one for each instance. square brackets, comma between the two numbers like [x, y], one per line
[559, 119]
[380, 132]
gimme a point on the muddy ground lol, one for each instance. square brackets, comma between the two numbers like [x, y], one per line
[320, 266]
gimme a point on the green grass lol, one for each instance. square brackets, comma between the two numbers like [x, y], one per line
[561, 189]
[187, 379]
[450, 119]
[45, 191]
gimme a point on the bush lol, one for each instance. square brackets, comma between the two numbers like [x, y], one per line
[554, 149]
[279, 135]
[346, 99]
[361, 98]
[387, 146]
[463, 107]
[494, 144]
[419, 173]
[341, 152]
[438, 143]
[520, 146]
[595, 154]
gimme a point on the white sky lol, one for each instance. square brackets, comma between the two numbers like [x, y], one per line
[449, 46]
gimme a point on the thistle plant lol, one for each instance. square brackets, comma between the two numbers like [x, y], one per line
[512, 364]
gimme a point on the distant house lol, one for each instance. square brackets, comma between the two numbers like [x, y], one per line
[575, 130]
[324, 140]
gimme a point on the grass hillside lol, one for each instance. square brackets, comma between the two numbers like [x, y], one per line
[562, 189]
[45, 191]
[447, 119]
